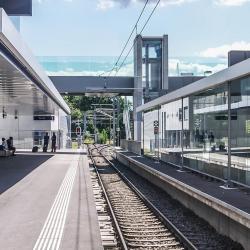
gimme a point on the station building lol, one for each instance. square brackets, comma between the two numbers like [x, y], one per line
[30, 105]
[205, 125]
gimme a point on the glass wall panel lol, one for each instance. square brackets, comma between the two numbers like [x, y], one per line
[151, 139]
[152, 68]
[171, 135]
[240, 133]
[206, 139]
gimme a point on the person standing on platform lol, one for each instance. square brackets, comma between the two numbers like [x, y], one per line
[53, 139]
[11, 146]
[45, 142]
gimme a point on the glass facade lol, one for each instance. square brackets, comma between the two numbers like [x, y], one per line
[240, 130]
[196, 131]
[151, 68]
[84, 65]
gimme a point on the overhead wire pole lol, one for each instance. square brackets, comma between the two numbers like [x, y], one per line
[144, 26]
[134, 29]
[114, 135]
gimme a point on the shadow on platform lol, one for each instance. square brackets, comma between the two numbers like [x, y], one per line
[15, 168]
[51, 153]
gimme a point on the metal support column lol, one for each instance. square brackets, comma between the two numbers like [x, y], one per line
[110, 131]
[228, 184]
[95, 132]
[70, 126]
[84, 124]
[147, 71]
[117, 122]
[158, 154]
[59, 132]
[114, 106]
[143, 145]
[182, 134]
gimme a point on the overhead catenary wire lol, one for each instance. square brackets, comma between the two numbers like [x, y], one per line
[135, 28]
[144, 26]
[126, 44]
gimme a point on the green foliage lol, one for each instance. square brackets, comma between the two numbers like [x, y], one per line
[72, 102]
[80, 104]
[103, 137]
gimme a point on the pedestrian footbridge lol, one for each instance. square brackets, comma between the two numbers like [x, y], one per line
[97, 85]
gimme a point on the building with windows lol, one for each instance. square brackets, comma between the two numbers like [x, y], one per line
[205, 125]
[30, 105]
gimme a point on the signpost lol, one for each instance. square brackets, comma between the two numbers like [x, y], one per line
[78, 131]
[156, 123]
[156, 133]
[79, 138]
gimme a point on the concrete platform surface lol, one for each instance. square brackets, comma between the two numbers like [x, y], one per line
[235, 197]
[46, 200]
[227, 210]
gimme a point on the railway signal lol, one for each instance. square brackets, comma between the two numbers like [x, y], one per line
[78, 131]
[156, 123]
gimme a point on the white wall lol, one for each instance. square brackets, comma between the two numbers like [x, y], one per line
[22, 129]
[172, 115]
[149, 119]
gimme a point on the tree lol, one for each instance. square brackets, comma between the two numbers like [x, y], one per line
[80, 104]
[103, 137]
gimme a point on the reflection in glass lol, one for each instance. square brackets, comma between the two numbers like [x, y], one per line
[240, 133]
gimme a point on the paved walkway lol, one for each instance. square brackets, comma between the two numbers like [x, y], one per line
[235, 197]
[46, 201]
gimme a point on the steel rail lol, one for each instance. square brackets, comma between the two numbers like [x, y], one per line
[123, 242]
[186, 242]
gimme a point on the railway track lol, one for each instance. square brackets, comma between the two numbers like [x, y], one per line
[139, 223]
[107, 230]
[195, 229]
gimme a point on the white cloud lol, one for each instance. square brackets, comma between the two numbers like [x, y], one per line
[108, 4]
[42, 1]
[195, 68]
[105, 4]
[222, 51]
[231, 2]
[128, 69]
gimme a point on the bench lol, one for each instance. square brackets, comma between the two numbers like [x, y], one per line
[6, 153]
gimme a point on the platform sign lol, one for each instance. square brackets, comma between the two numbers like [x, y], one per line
[44, 118]
[17, 7]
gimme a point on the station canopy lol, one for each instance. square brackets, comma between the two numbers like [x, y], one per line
[19, 93]
[24, 86]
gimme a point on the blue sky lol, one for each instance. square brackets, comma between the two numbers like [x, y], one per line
[205, 28]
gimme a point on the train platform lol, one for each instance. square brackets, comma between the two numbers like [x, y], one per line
[228, 210]
[47, 202]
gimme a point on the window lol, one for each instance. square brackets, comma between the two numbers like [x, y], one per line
[180, 114]
[186, 113]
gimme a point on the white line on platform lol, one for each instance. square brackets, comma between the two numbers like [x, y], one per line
[51, 234]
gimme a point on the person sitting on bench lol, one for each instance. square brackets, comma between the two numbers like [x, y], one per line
[10, 145]
[4, 145]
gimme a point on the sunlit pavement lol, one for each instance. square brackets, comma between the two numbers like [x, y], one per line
[46, 200]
